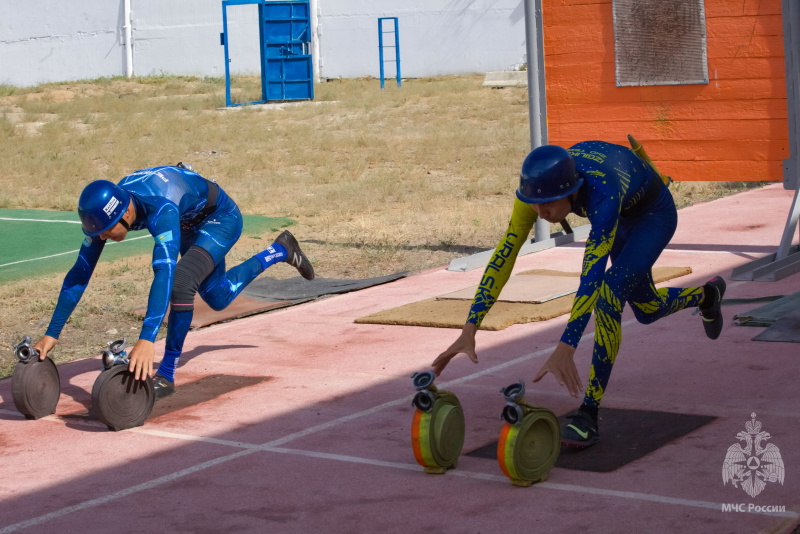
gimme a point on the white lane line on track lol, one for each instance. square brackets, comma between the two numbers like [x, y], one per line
[68, 252]
[123, 493]
[364, 413]
[249, 449]
[693, 251]
[272, 446]
[461, 473]
[407, 399]
[38, 220]
[649, 497]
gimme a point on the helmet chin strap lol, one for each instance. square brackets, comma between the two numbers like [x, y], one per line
[564, 224]
[122, 220]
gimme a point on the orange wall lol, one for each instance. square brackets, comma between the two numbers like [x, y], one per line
[734, 128]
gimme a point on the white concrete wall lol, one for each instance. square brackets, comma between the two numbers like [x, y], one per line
[436, 36]
[182, 37]
[52, 40]
[61, 40]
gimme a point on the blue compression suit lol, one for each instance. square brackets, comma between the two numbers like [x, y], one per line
[633, 218]
[164, 198]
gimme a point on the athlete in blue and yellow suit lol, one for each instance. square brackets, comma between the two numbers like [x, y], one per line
[187, 215]
[633, 218]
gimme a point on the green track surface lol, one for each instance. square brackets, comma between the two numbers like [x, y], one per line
[37, 242]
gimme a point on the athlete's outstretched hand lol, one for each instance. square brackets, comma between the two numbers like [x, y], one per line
[44, 346]
[141, 358]
[464, 344]
[562, 365]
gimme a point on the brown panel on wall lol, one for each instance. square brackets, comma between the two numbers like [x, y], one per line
[660, 42]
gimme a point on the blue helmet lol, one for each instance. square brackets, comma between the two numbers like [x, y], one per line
[101, 205]
[548, 173]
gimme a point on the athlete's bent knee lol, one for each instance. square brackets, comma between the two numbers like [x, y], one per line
[192, 269]
[215, 302]
[642, 317]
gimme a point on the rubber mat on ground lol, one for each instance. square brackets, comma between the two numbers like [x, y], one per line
[452, 313]
[299, 288]
[786, 329]
[625, 436]
[769, 313]
[240, 307]
[269, 294]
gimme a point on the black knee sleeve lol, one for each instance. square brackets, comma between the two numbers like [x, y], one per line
[192, 269]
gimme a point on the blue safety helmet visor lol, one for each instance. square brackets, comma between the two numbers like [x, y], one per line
[101, 205]
[548, 173]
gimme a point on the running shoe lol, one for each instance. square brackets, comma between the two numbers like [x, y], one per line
[295, 257]
[710, 310]
[162, 386]
[581, 432]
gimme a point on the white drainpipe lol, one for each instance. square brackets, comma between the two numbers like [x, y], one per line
[316, 60]
[126, 28]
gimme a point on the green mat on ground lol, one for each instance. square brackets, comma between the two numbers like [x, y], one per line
[39, 242]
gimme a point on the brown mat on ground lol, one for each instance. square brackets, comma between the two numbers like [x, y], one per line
[538, 289]
[453, 313]
[240, 307]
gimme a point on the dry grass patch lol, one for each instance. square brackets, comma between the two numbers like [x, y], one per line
[402, 179]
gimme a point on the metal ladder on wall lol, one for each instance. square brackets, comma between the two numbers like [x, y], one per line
[396, 31]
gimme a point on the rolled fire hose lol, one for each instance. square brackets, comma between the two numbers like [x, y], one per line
[35, 385]
[118, 399]
[637, 147]
[437, 429]
[530, 439]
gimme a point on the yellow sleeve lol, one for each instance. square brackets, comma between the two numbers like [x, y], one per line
[499, 268]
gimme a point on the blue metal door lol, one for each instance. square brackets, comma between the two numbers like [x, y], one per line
[287, 71]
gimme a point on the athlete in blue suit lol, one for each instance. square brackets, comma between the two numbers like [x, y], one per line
[188, 216]
[632, 217]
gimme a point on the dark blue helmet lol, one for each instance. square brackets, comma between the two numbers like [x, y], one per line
[548, 173]
[101, 205]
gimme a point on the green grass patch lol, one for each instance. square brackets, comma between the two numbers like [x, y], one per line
[37, 242]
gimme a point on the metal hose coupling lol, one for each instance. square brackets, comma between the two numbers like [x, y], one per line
[516, 407]
[437, 428]
[115, 354]
[530, 440]
[426, 391]
[24, 350]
